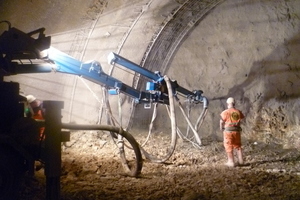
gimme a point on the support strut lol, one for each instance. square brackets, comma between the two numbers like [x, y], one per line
[53, 148]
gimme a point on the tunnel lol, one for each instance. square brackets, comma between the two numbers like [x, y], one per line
[245, 49]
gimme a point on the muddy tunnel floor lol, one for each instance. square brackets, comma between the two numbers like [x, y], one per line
[92, 170]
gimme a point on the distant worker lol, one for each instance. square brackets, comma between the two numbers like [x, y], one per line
[36, 111]
[230, 125]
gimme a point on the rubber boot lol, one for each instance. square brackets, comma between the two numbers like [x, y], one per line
[230, 162]
[240, 156]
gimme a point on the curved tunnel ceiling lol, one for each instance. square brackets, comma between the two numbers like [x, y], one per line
[176, 27]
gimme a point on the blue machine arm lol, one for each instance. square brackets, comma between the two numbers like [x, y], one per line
[158, 83]
[21, 53]
[115, 58]
[93, 71]
[89, 70]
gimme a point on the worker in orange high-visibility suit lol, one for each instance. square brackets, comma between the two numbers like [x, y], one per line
[230, 125]
[36, 111]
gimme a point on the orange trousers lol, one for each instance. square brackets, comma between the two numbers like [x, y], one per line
[232, 140]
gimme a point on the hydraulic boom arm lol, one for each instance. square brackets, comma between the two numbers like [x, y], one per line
[21, 53]
[158, 84]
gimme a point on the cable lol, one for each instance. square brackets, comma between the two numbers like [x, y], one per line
[7, 22]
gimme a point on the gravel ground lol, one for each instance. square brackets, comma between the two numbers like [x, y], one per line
[92, 170]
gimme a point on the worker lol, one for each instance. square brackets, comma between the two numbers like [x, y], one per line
[230, 125]
[36, 111]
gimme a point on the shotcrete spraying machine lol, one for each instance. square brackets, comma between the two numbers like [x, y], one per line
[20, 140]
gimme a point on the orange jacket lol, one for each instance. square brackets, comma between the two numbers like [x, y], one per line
[232, 117]
[39, 116]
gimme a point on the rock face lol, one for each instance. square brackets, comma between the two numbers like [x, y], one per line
[247, 50]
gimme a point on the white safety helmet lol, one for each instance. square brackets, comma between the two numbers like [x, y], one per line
[230, 100]
[30, 98]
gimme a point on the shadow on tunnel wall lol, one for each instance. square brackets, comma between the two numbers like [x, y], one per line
[273, 85]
